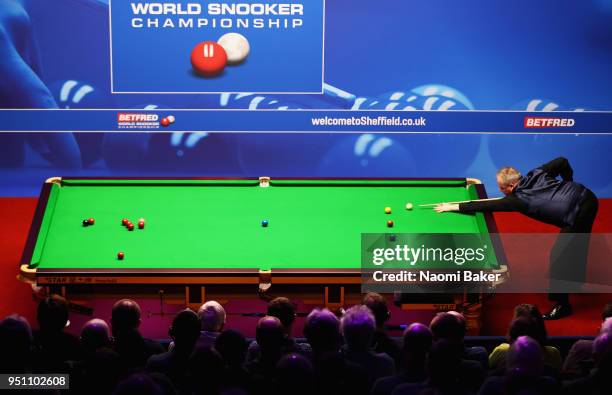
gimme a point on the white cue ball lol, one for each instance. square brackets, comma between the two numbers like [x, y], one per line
[408, 206]
[171, 118]
[236, 46]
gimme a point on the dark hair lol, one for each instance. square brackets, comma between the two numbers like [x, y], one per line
[525, 326]
[378, 304]
[185, 328]
[447, 326]
[606, 312]
[283, 309]
[52, 313]
[232, 346]
[532, 312]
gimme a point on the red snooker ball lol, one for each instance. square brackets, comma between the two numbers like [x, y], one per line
[120, 256]
[208, 59]
[165, 122]
[124, 221]
[91, 221]
[390, 224]
[130, 226]
[141, 224]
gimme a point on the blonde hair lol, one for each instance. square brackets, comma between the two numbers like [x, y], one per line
[508, 175]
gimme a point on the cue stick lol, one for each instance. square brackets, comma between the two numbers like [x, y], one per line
[463, 201]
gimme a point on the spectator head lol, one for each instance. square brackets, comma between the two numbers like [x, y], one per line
[524, 326]
[205, 369]
[417, 342]
[138, 384]
[322, 330]
[448, 326]
[212, 316]
[294, 375]
[284, 310]
[358, 326]
[524, 358]
[606, 312]
[185, 329]
[125, 316]
[16, 344]
[443, 363]
[606, 326]
[52, 314]
[95, 334]
[531, 311]
[232, 346]
[104, 368]
[269, 335]
[602, 351]
[378, 304]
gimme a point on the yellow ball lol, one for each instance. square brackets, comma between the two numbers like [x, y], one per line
[408, 206]
[388, 210]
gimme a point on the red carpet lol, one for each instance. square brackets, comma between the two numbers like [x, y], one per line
[16, 215]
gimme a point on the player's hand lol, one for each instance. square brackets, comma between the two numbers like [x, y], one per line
[444, 207]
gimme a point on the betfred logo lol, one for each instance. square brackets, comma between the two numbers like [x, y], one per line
[132, 117]
[548, 122]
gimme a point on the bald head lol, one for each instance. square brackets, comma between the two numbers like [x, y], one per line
[525, 357]
[269, 334]
[417, 339]
[95, 334]
[212, 316]
[125, 315]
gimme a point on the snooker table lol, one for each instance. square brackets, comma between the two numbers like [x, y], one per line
[205, 236]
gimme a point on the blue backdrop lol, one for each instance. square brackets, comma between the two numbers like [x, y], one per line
[536, 55]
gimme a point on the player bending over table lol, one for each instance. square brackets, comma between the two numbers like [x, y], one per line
[541, 195]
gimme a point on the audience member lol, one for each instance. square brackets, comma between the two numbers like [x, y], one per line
[283, 309]
[185, 331]
[452, 326]
[381, 342]
[270, 338]
[138, 384]
[204, 371]
[97, 373]
[358, 326]
[232, 346]
[16, 345]
[133, 348]
[212, 316]
[526, 325]
[524, 371]
[52, 346]
[579, 360]
[443, 370]
[417, 342]
[95, 334]
[599, 379]
[294, 375]
[333, 373]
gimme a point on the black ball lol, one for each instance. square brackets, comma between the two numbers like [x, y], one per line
[86, 222]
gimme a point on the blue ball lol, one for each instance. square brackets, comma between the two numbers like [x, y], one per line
[264, 223]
